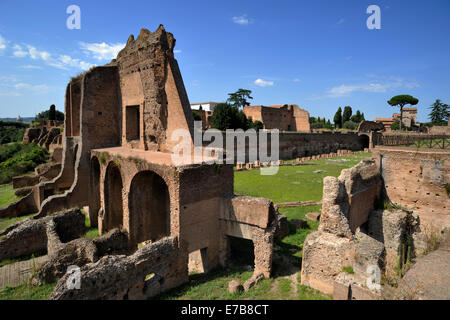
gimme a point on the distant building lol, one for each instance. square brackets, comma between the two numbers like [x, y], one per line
[19, 119]
[206, 106]
[283, 117]
[409, 118]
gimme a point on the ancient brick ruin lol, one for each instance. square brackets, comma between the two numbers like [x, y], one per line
[357, 231]
[117, 161]
[282, 117]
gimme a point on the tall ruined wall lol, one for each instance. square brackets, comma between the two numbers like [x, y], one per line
[151, 85]
[300, 120]
[417, 179]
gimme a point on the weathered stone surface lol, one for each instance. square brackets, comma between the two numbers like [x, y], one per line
[299, 223]
[150, 270]
[324, 255]
[428, 278]
[313, 216]
[348, 200]
[282, 227]
[29, 236]
[255, 279]
[416, 180]
[235, 286]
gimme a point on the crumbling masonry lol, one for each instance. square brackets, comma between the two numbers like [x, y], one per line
[117, 161]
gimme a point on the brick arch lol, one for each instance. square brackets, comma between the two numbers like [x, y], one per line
[113, 189]
[365, 140]
[149, 207]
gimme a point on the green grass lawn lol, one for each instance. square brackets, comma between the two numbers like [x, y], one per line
[293, 183]
[27, 292]
[296, 237]
[6, 195]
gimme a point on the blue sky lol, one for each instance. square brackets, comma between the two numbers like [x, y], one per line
[317, 54]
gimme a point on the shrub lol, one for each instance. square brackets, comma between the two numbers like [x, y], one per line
[19, 159]
[350, 125]
[395, 125]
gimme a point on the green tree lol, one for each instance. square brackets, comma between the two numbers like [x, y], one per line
[338, 118]
[239, 98]
[197, 116]
[226, 116]
[357, 117]
[347, 114]
[45, 115]
[439, 113]
[350, 125]
[395, 126]
[401, 101]
[52, 113]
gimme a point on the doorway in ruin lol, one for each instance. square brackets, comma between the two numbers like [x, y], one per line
[113, 197]
[365, 140]
[197, 261]
[94, 192]
[241, 252]
[149, 205]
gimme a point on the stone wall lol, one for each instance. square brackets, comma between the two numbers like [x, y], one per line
[417, 179]
[296, 145]
[29, 236]
[153, 269]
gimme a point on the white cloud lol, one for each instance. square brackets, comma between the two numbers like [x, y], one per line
[19, 52]
[40, 88]
[296, 80]
[102, 51]
[29, 66]
[263, 83]
[341, 21]
[60, 61]
[242, 20]
[176, 51]
[2, 43]
[387, 85]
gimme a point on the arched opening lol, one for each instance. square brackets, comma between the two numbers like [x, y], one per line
[94, 192]
[149, 205]
[365, 141]
[113, 198]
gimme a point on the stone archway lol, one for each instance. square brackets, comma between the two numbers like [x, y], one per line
[149, 206]
[365, 139]
[94, 192]
[113, 198]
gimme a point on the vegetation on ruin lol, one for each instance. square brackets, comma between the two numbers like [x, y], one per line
[348, 269]
[6, 222]
[91, 232]
[12, 131]
[17, 159]
[292, 244]
[27, 292]
[214, 286]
